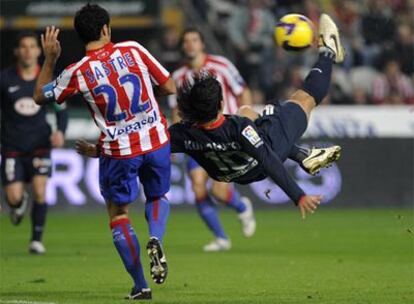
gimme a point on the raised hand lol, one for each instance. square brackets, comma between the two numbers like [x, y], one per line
[50, 43]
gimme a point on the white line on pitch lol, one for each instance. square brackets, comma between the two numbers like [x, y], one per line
[24, 302]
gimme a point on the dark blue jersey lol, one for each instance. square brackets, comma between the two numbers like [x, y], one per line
[24, 128]
[233, 150]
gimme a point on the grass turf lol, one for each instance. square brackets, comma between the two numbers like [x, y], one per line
[335, 256]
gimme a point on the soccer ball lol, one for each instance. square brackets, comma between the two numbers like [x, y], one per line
[294, 32]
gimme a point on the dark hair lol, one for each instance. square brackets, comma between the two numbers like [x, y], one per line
[199, 101]
[192, 30]
[89, 21]
[23, 35]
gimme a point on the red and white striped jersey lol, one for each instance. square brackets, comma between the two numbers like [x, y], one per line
[227, 74]
[116, 82]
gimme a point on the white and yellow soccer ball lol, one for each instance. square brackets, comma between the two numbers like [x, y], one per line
[294, 32]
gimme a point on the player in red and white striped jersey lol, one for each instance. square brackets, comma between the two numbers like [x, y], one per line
[235, 94]
[117, 80]
[235, 91]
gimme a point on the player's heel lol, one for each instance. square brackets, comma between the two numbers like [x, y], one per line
[139, 295]
[336, 154]
[158, 262]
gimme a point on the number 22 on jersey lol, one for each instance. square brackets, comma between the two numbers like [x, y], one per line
[135, 106]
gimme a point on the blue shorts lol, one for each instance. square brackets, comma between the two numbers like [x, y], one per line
[282, 127]
[118, 177]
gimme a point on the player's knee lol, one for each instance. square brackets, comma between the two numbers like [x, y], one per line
[39, 195]
[220, 191]
[304, 100]
[117, 212]
[198, 184]
[13, 196]
[200, 191]
[39, 188]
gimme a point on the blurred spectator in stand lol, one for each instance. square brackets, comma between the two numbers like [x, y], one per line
[168, 50]
[393, 87]
[397, 6]
[404, 48]
[202, 7]
[287, 6]
[312, 11]
[378, 29]
[293, 80]
[374, 32]
[250, 29]
[257, 97]
[280, 68]
[360, 97]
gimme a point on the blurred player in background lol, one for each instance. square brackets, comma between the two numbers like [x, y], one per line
[235, 94]
[26, 138]
[116, 80]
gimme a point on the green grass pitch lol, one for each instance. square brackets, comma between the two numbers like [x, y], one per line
[334, 256]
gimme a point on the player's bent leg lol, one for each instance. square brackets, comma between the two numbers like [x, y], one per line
[38, 214]
[13, 175]
[154, 175]
[317, 82]
[17, 199]
[14, 193]
[199, 177]
[229, 196]
[127, 245]
[208, 211]
[118, 193]
[304, 100]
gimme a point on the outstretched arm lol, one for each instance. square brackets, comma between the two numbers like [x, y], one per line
[51, 50]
